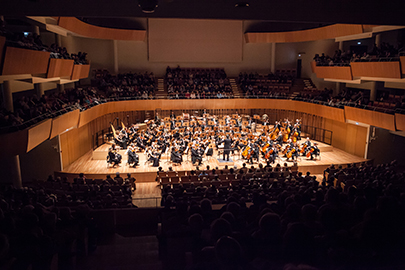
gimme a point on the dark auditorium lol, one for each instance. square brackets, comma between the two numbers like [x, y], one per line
[202, 135]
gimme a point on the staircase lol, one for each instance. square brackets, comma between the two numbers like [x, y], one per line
[161, 92]
[237, 93]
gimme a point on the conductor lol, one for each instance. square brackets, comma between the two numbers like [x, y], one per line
[227, 147]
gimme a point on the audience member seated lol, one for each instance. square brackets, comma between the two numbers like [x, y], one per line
[270, 85]
[291, 222]
[183, 83]
[128, 85]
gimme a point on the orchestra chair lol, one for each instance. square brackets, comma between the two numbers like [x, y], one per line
[181, 174]
[222, 177]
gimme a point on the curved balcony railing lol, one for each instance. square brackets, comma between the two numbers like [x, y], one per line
[51, 115]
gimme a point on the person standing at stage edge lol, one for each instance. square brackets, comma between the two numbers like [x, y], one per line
[227, 147]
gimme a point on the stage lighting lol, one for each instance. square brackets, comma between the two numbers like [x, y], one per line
[148, 6]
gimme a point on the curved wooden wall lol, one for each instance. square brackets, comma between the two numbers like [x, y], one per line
[142, 105]
[60, 67]
[402, 60]
[38, 134]
[24, 61]
[372, 118]
[340, 73]
[376, 69]
[400, 121]
[80, 72]
[24, 141]
[87, 30]
[64, 122]
[327, 32]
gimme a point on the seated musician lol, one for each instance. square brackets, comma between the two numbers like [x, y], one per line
[122, 139]
[133, 158]
[255, 154]
[293, 151]
[175, 156]
[153, 157]
[195, 156]
[139, 143]
[308, 145]
[314, 151]
[113, 157]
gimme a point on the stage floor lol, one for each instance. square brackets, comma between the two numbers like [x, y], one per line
[97, 168]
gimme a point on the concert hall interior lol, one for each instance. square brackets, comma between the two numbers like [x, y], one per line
[178, 134]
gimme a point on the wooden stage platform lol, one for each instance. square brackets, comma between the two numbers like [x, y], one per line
[93, 164]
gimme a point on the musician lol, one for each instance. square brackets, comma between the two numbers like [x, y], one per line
[279, 139]
[153, 157]
[113, 157]
[195, 156]
[314, 151]
[293, 151]
[308, 145]
[175, 156]
[122, 139]
[255, 153]
[227, 147]
[133, 157]
[140, 143]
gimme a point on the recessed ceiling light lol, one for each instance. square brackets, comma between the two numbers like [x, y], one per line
[242, 4]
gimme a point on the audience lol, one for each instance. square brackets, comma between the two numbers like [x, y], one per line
[386, 52]
[353, 219]
[270, 85]
[34, 42]
[197, 83]
[127, 85]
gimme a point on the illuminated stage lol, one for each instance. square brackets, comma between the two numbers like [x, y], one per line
[94, 165]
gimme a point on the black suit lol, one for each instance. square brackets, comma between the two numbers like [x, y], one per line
[195, 156]
[227, 148]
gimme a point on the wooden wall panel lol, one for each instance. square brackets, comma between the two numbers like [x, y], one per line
[402, 60]
[400, 121]
[38, 134]
[24, 61]
[326, 32]
[80, 72]
[87, 30]
[60, 67]
[340, 73]
[376, 69]
[74, 144]
[372, 118]
[347, 137]
[64, 122]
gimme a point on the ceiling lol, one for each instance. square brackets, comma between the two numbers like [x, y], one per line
[313, 11]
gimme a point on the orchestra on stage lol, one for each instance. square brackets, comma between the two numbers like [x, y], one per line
[194, 139]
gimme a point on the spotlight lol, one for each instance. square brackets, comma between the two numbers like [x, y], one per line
[242, 4]
[148, 6]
